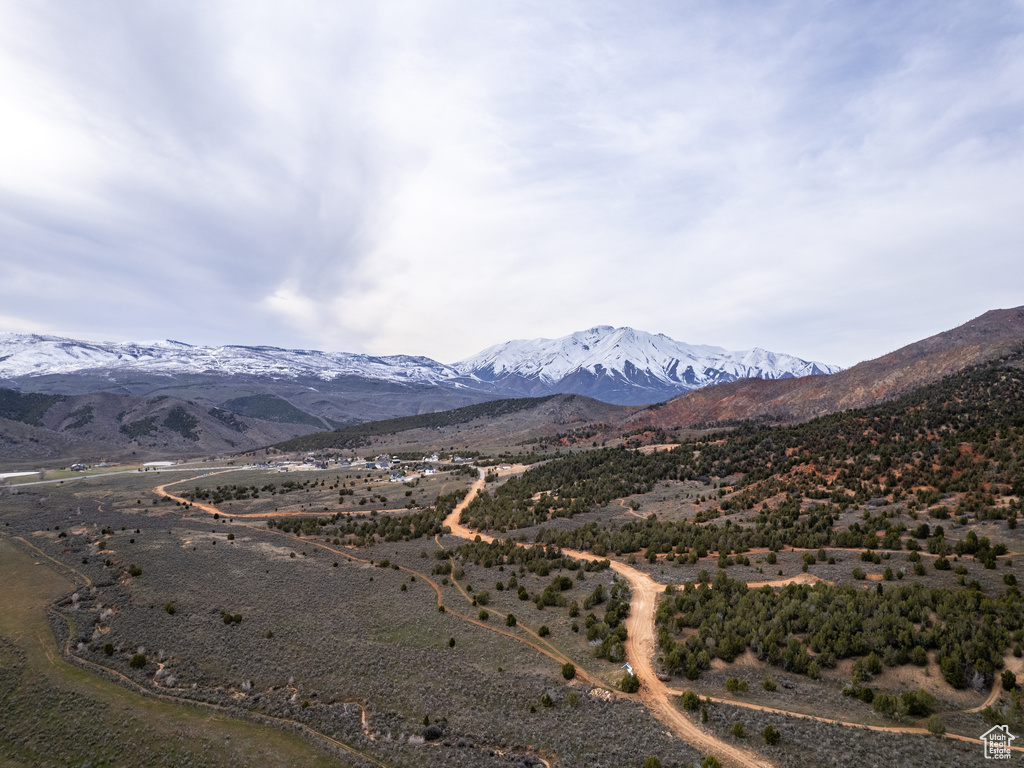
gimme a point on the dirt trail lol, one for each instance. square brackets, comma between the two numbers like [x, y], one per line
[911, 729]
[993, 696]
[640, 647]
[633, 512]
[60, 566]
[800, 578]
[452, 521]
[161, 490]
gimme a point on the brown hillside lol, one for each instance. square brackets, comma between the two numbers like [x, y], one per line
[548, 417]
[102, 425]
[791, 400]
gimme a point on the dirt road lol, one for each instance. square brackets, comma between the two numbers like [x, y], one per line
[452, 521]
[641, 645]
[640, 649]
[161, 490]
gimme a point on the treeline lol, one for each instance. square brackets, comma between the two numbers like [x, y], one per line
[774, 529]
[355, 435]
[366, 530]
[235, 492]
[804, 628]
[537, 559]
[963, 434]
[27, 407]
[569, 486]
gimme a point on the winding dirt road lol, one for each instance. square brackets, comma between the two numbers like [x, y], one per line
[641, 645]
[641, 648]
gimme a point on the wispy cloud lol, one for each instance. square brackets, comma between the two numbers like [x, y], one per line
[830, 180]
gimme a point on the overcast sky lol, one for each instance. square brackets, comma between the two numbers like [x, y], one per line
[831, 180]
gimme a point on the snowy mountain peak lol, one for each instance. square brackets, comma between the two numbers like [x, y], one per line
[626, 358]
[620, 365]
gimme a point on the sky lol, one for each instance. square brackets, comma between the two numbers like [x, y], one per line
[831, 180]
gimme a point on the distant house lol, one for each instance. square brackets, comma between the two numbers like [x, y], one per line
[426, 470]
[78, 467]
[431, 457]
[397, 477]
[504, 466]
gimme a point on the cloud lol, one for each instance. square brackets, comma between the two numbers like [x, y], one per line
[829, 181]
[297, 310]
[10, 324]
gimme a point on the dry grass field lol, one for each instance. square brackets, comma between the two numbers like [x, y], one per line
[174, 585]
[317, 635]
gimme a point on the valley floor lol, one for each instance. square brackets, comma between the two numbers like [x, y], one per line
[362, 725]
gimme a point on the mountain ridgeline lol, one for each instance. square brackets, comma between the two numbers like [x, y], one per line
[993, 334]
[616, 365]
[64, 399]
[353, 436]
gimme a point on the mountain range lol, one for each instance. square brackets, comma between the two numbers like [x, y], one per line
[61, 398]
[617, 365]
[995, 338]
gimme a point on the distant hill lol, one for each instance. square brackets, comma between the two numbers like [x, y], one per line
[272, 408]
[993, 334]
[37, 428]
[498, 422]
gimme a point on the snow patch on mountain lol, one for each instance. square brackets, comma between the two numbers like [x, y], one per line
[619, 365]
[35, 355]
[628, 353]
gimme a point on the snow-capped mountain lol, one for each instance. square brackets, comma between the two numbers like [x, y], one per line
[625, 365]
[617, 365]
[33, 355]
